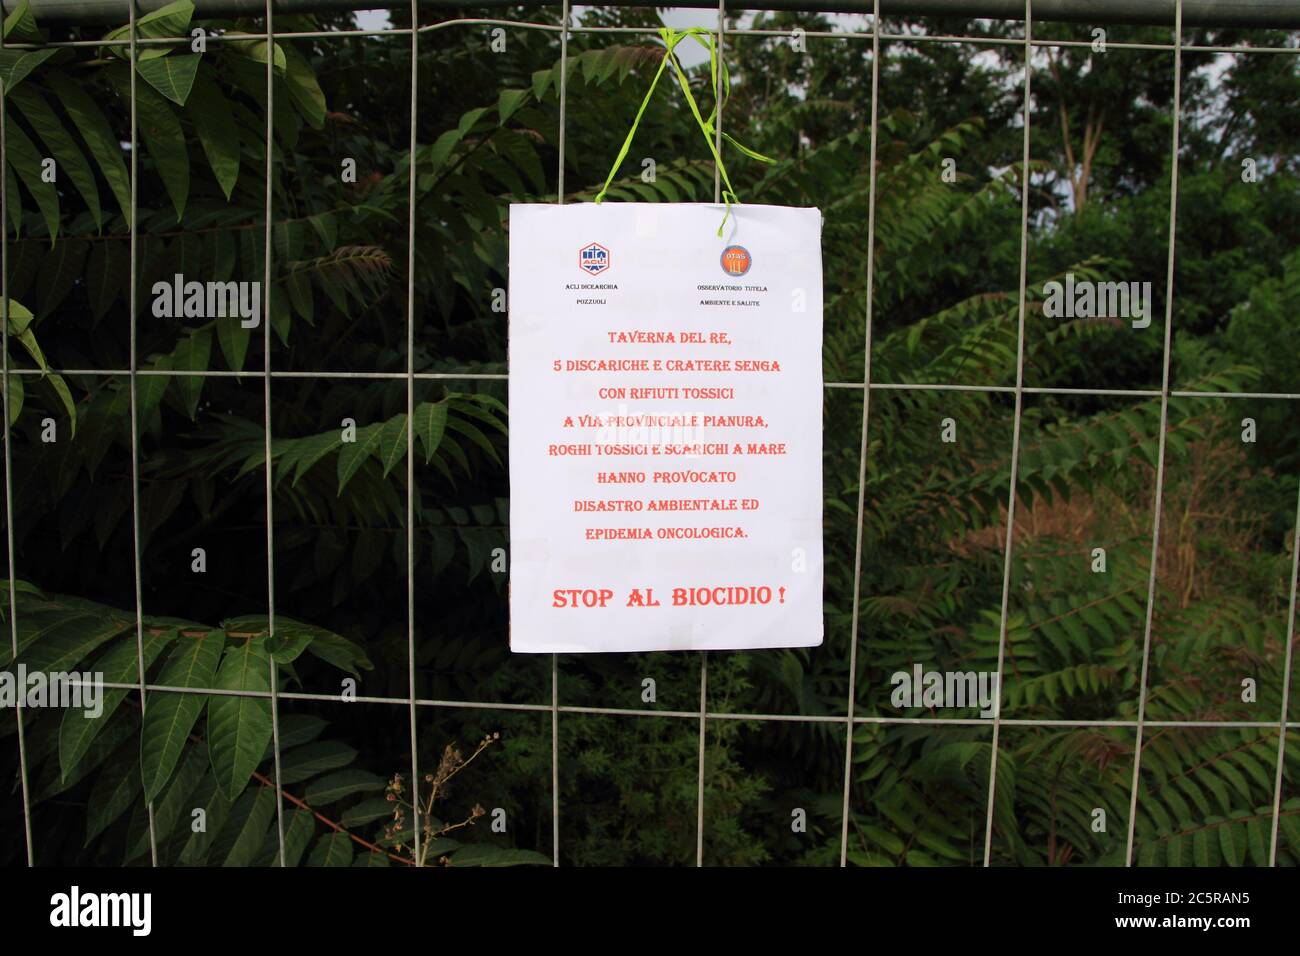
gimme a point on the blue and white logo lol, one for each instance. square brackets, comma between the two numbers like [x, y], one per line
[593, 259]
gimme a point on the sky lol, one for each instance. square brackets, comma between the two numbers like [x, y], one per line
[690, 54]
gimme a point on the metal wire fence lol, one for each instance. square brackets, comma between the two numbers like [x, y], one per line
[702, 716]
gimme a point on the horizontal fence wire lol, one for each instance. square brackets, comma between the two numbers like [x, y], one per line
[504, 376]
[541, 708]
[849, 720]
[651, 32]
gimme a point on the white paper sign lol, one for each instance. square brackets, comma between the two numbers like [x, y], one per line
[665, 427]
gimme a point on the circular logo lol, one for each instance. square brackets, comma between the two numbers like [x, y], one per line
[736, 260]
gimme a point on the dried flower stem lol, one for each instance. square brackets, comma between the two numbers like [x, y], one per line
[451, 763]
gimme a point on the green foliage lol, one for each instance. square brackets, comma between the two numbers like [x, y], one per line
[18, 325]
[341, 280]
[184, 750]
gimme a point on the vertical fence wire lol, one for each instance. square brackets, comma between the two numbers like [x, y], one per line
[565, 16]
[699, 782]
[704, 655]
[11, 585]
[1015, 430]
[862, 453]
[411, 491]
[1286, 687]
[273, 670]
[1164, 427]
[554, 709]
[135, 410]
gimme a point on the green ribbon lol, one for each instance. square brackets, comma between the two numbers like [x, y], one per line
[704, 37]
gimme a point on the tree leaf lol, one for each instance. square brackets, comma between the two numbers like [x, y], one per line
[430, 423]
[107, 273]
[15, 199]
[367, 811]
[20, 317]
[312, 450]
[28, 342]
[191, 355]
[344, 783]
[216, 809]
[298, 833]
[286, 646]
[173, 805]
[326, 226]
[21, 25]
[239, 728]
[172, 20]
[303, 763]
[253, 828]
[55, 383]
[71, 161]
[68, 640]
[25, 160]
[116, 788]
[474, 434]
[298, 729]
[119, 666]
[392, 443]
[333, 849]
[340, 652]
[299, 288]
[281, 314]
[170, 717]
[61, 269]
[511, 100]
[234, 339]
[219, 253]
[149, 389]
[210, 112]
[126, 726]
[354, 454]
[16, 65]
[167, 21]
[164, 143]
[303, 89]
[15, 397]
[255, 50]
[484, 854]
[172, 76]
[469, 118]
[1232, 841]
[105, 147]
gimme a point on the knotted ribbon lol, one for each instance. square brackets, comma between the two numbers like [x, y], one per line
[704, 37]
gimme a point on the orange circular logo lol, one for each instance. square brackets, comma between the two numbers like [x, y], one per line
[736, 260]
